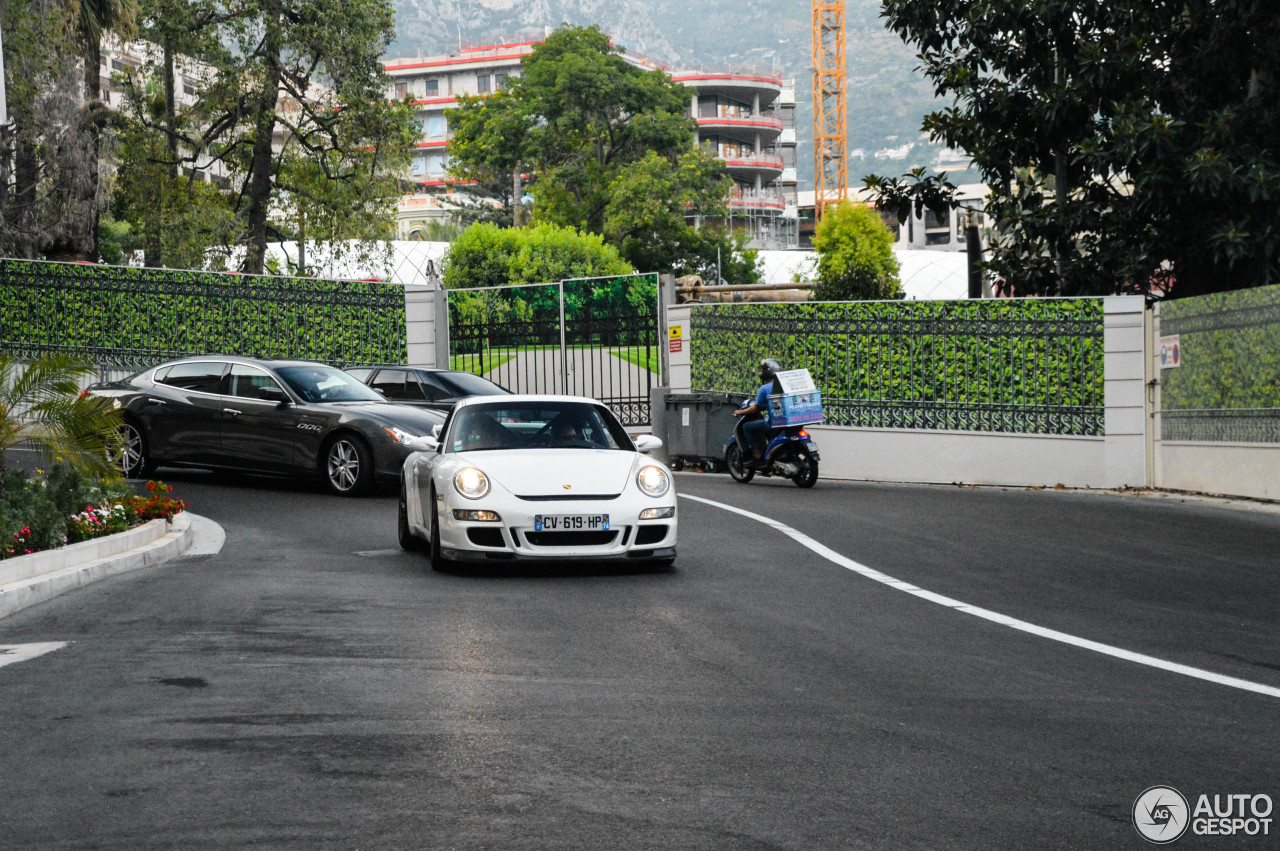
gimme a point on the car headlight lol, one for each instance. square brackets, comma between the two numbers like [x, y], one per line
[471, 483]
[399, 435]
[654, 481]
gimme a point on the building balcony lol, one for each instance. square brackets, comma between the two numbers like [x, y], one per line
[763, 201]
[767, 124]
[715, 80]
[768, 166]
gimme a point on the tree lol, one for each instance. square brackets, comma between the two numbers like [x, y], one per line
[855, 256]
[44, 170]
[42, 409]
[609, 150]
[486, 255]
[1128, 146]
[293, 103]
[95, 19]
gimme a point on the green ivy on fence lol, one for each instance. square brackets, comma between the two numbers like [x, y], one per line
[1228, 385]
[119, 316]
[1026, 366]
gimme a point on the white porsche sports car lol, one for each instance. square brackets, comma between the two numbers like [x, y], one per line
[536, 477]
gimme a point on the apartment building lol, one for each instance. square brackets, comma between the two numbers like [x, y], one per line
[747, 119]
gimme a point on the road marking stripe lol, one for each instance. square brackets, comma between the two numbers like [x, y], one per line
[11, 653]
[995, 617]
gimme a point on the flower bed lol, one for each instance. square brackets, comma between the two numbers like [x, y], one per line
[63, 508]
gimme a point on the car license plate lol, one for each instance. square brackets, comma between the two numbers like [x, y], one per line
[571, 522]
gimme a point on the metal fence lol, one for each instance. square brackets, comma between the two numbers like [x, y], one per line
[594, 337]
[121, 318]
[1028, 366]
[1226, 388]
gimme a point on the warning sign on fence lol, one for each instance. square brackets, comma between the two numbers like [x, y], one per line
[1170, 352]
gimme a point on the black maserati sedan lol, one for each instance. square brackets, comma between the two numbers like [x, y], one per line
[280, 417]
[422, 387]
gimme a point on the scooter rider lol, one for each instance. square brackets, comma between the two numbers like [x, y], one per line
[757, 430]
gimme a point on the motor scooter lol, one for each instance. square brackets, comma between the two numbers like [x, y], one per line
[791, 454]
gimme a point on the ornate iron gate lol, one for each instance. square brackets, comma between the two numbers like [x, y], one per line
[595, 337]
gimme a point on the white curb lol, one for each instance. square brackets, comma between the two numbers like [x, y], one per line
[30, 579]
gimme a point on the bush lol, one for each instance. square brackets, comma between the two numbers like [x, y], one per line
[65, 508]
[855, 256]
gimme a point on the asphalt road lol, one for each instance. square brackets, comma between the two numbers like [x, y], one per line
[313, 687]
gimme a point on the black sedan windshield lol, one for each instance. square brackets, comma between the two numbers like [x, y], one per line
[325, 384]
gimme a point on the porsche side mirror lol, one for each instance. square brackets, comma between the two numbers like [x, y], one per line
[272, 394]
[648, 443]
[424, 444]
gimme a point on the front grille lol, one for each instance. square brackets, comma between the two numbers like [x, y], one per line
[651, 534]
[483, 536]
[570, 539]
[555, 497]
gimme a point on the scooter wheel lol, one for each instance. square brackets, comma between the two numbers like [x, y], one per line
[808, 475]
[734, 461]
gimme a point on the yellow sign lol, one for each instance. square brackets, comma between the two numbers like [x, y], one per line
[673, 331]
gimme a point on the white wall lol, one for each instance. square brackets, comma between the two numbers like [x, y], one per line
[1235, 469]
[1249, 470]
[1118, 459]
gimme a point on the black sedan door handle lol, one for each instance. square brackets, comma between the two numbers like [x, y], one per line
[155, 401]
[232, 411]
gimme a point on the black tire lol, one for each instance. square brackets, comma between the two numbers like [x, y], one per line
[135, 453]
[808, 474]
[734, 462]
[438, 560]
[347, 466]
[408, 540]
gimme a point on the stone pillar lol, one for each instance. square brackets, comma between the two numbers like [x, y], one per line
[420, 324]
[1124, 391]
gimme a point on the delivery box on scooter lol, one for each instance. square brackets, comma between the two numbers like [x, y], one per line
[799, 403]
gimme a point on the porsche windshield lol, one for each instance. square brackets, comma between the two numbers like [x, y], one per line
[536, 425]
[325, 384]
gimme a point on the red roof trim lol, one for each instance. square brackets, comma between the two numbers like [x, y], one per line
[456, 60]
[777, 81]
[502, 46]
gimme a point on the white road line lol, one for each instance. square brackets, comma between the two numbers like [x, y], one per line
[995, 617]
[11, 653]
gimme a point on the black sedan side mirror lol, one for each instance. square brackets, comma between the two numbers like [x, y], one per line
[273, 394]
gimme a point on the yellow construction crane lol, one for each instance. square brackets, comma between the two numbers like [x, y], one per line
[830, 123]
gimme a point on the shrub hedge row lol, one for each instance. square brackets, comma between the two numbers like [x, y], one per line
[1031, 366]
[1230, 351]
[129, 316]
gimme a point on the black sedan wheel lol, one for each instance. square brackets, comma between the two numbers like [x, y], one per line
[348, 466]
[135, 462]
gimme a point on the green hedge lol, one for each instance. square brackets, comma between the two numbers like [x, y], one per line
[1230, 350]
[1228, 385]
[129, 316]
[1030, 366]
